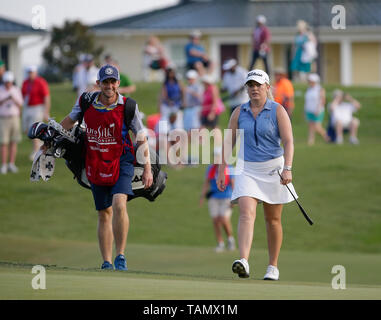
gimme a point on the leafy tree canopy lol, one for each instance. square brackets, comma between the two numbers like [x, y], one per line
[67, 45]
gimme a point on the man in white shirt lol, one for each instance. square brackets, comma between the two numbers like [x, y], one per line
[86, 74]
[233, 82]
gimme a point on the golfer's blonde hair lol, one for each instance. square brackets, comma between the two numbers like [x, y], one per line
[270, 93]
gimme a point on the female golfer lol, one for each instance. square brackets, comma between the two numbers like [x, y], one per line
[264, 167]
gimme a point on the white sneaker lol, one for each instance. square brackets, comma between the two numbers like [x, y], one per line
[339, 140]
[272, 273]
[12, 168]
[220, 247]
[354, 140]
[231, 244]
[4, 169]
[241, 267]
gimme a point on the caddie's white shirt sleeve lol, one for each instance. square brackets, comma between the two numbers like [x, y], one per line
[75, 112]
[137, 124]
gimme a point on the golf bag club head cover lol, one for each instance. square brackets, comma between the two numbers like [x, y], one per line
[42, 131]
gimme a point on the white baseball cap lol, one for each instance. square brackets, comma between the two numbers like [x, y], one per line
[191, 74]
[196, 34]
[259, 76]
[261, 19]
[170, 66]
[228, 64]
[82, 57]
[8, 76]
[313, 77]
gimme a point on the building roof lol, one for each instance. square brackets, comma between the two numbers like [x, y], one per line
[10, 27]
[205, 14]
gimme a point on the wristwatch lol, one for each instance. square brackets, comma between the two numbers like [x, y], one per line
[288, 168]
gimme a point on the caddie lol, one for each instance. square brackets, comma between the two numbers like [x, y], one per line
[109, 161]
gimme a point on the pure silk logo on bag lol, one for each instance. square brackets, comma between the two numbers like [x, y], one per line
[102, 135]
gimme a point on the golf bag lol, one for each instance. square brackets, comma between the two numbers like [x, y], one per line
[70, 145]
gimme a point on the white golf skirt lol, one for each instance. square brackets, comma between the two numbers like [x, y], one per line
[260, 180]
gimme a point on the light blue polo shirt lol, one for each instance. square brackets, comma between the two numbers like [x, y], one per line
[261, 135]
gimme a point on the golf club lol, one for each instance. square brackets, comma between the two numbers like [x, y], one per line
[299, 205]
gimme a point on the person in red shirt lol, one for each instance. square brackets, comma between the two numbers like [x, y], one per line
[212, 105]
[35, 91]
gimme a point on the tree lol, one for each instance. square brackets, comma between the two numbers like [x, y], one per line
[66, 46]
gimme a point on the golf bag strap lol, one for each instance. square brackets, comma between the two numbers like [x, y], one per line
[129, 111]
[87, 99]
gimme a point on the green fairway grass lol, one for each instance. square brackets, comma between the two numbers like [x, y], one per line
[178, 272]
[171, 241]
[96, 285]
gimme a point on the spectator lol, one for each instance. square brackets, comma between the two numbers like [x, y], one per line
[92, 85]
[127, 87]
[196, 56]
[283, 90]
[10, 110]
[77, 72]
[260, 43]
[219, 202]
[212, 105]
[233, 81]
[192, 102]
[86, 74]
[2, 70]
[154, 57]
[109, 59]
[314, 108]
[153, 131]
[304, 51]
[35, 91]
[342, 108]
[171, 99]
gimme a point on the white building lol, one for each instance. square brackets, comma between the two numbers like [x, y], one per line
[349, 56]
[10, 50]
